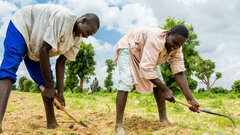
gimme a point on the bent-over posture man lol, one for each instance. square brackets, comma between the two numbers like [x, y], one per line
[138, 55]
[34, 34]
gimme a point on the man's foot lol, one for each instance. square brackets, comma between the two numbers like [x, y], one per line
[52, 126]
[119, 130]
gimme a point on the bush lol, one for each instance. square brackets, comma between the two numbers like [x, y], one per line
[14, 87]
[20, 83]
[192, 84]
[219, 90]
[35, 89]
[76, 89]
[201, 90]
[27, 85]
[98, 89]
[232, 96]
[205, 95]
[236, 86]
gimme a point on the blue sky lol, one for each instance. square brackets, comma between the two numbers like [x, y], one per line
[110, 36]
[215, 21]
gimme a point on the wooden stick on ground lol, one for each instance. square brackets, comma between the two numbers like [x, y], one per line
[63, 109]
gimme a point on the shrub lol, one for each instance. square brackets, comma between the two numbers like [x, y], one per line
[35, 89]
[201, 90]
[232, 96]
[236, 86]
[20, 83]
[14, 87]
[192, 84]
[219, 90]
[205, 95]
[77, 90]
[27, 85]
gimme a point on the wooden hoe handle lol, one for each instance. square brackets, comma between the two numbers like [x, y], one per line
[55, 100]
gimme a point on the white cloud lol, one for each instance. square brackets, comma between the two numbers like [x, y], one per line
[6, 8]
[24, 2]
[131, 16]
[6, 11]
[189, 2]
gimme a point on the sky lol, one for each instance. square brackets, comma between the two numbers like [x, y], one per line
[216, 23]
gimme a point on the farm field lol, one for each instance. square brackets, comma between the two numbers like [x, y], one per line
[25, 115]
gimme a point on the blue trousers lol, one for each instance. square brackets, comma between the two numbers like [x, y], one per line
[15, 50]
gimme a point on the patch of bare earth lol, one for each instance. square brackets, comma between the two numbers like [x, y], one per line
[26, 115]
[137, 124]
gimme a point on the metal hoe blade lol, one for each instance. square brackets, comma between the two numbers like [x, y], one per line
[207, 111]
[210, 112]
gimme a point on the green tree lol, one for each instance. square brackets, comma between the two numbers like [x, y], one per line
[71, 82]
[20, 82]
[190, 57]
[108, 83]
[14, 87]
[236, 86]
[219, 90]
[84, 65]
[204, 71]
[27, 85]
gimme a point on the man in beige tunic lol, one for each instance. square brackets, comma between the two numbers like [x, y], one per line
[138, 55]
[34, 34]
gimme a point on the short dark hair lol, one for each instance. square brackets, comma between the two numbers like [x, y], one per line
[92, 18]
[180, 29]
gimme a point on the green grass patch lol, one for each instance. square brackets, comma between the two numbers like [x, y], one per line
[216, 104]
[13, 108]
[178, 108]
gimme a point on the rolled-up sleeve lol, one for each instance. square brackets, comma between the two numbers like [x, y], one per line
[177, 62]
[149, 58]
[72, 52]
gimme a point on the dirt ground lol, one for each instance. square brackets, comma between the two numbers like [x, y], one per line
[25, 115]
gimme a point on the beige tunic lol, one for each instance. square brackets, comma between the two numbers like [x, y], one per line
[51, 23]
[147, 50]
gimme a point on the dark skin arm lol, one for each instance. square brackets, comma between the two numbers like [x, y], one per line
[49, 92]
[183, 84]
[168, 94]
[60, 68]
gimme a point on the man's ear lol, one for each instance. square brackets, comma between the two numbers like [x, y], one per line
[169, 33]
[84, 20]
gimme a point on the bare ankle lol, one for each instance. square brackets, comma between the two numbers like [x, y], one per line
[52, 125]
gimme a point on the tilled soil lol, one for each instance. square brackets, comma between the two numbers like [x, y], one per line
[26, 115]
